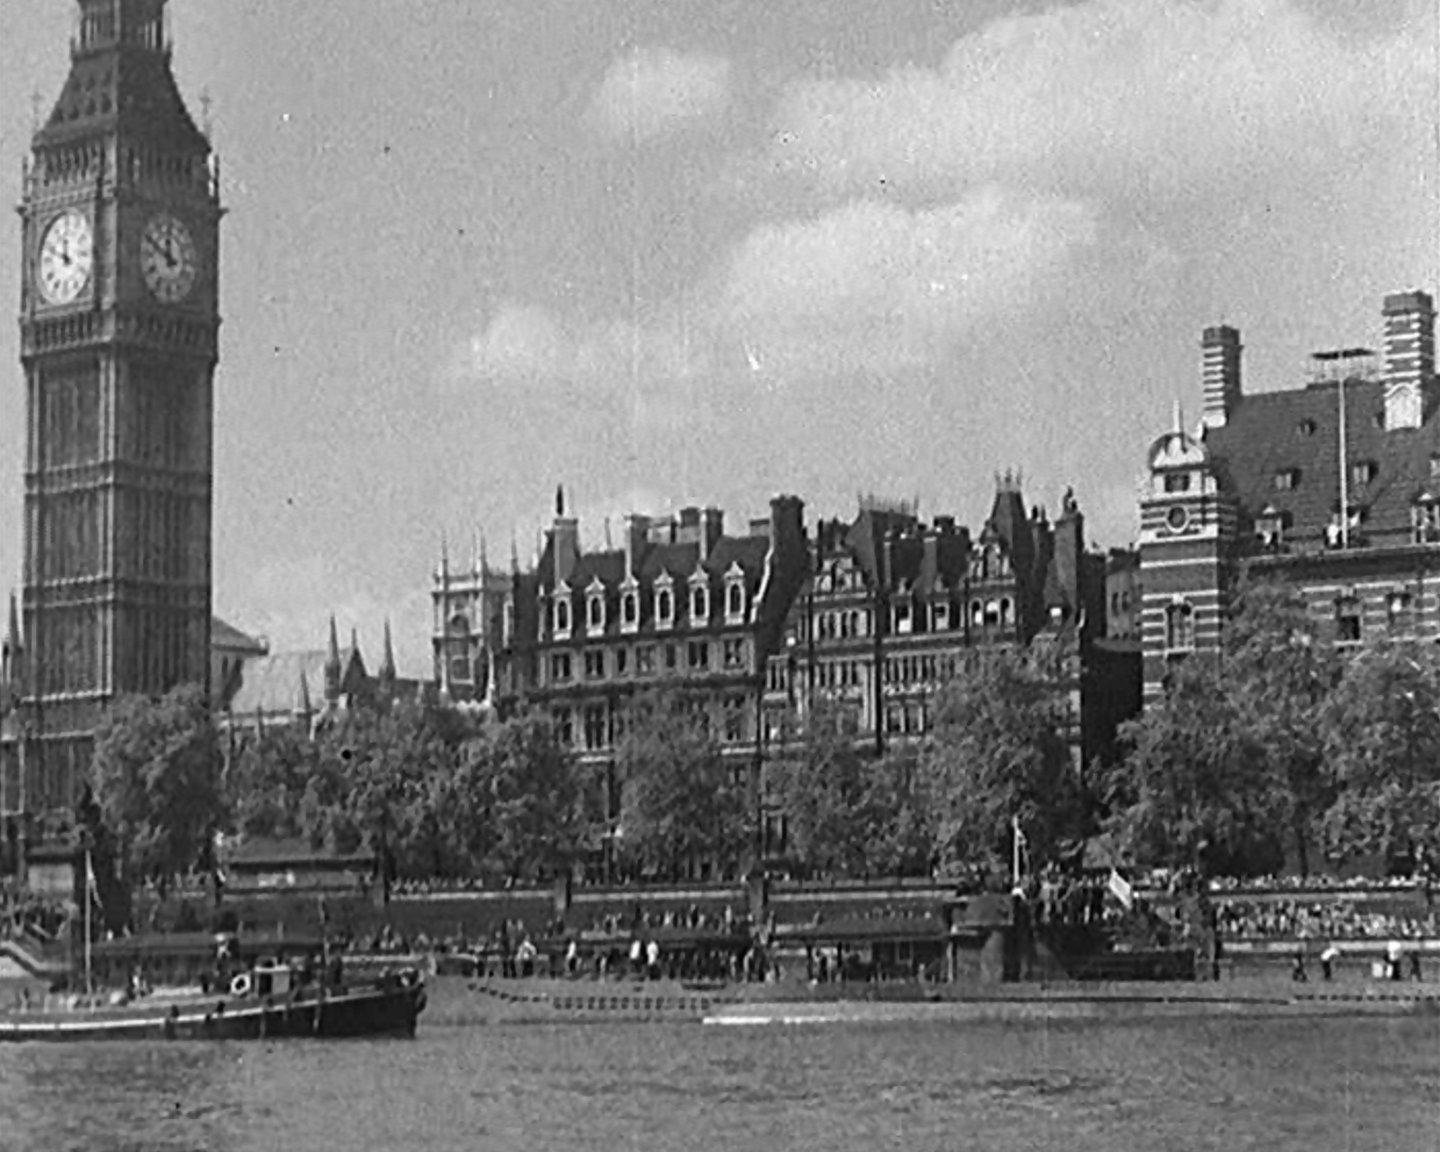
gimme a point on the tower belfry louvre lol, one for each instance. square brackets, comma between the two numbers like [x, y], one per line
[119, 329]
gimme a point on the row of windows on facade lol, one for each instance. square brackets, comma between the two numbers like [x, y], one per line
[596, 611]
[597, 726]
[648, 660]
[907, 618]
[897, 671]
[1401, 615]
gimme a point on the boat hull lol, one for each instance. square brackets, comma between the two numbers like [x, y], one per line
[381, 1011]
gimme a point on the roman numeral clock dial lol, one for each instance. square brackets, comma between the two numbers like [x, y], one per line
[67, 254]
[168, 260]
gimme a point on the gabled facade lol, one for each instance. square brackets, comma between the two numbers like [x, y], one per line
[894, 607]
[1332, 485]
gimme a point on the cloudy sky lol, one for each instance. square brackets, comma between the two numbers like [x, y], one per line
[674, 251]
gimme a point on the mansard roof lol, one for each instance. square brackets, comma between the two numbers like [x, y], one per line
[1297, 431]
[680, 560]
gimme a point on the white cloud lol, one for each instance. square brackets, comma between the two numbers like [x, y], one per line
[1157, 99]
[875, 287]
[652, 91]
[525, 344]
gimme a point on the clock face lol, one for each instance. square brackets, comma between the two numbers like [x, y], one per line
[1177, 518]
[67, 255]
[168, 260]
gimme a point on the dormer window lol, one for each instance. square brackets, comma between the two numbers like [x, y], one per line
[1287, 479]
[1006, 613]
[629, 610]
[940, 616]
[664, 606]
[904, 618]
[735, 602]
[560, 618]
[1363, 471]
[977, 614]
[1425, 522]
[699, 604]
[1177, 482]
[1270, 529]
[595, 612]
[1306, 427]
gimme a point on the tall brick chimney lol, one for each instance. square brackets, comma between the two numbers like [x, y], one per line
[1220, 373]
[1409, 358]
[566, 537]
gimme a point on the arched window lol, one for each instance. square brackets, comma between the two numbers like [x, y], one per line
[1180, 626]
[664, 608]
[735, 599]
[562, 615]
[699, 604]
[630, 609]
[595, 612]
[1006, 613]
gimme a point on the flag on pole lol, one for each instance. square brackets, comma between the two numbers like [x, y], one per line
[1121, 888]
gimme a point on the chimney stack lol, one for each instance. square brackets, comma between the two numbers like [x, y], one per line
[637, 532]
[1409, 357]
[1220, 372]
[712, 526]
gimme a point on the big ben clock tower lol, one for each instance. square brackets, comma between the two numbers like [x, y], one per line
[119, 324]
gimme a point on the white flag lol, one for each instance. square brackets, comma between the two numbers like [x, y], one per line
[1122, 889]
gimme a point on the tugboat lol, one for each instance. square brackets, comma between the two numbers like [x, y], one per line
[218, 988]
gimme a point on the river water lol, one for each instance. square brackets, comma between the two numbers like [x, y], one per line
[1228, 1084]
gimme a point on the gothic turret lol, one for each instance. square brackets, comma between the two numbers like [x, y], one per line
[333, 669]
[385, 675]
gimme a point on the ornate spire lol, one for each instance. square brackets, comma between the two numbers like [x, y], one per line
[302, 708]
[332, 666]
[386, 675]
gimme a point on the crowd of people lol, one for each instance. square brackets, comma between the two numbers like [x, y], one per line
[1299, 919]
[24, 913]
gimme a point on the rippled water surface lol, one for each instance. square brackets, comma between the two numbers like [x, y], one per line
[1177, 1084]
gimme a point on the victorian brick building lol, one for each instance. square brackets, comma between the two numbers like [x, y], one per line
[1332, 485]
[894, 607]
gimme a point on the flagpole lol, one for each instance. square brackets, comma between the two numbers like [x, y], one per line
[89, 890]
[1015, 851]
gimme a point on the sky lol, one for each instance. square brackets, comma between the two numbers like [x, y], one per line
[671, 252]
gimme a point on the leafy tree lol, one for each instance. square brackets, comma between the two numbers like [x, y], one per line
[898, 830]
[997, 754]
[681, 801]
[516, 806]
[376, 787]
[155, 780]
[825, 791]
[1380, 732]
[266, 783]
[1278, 674]
[1194, 790]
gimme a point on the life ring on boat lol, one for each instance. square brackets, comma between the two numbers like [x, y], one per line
[240, 986]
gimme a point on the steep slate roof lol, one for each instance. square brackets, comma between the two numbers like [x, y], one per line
[269, 684]
[223, 635]
[1267, 433]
